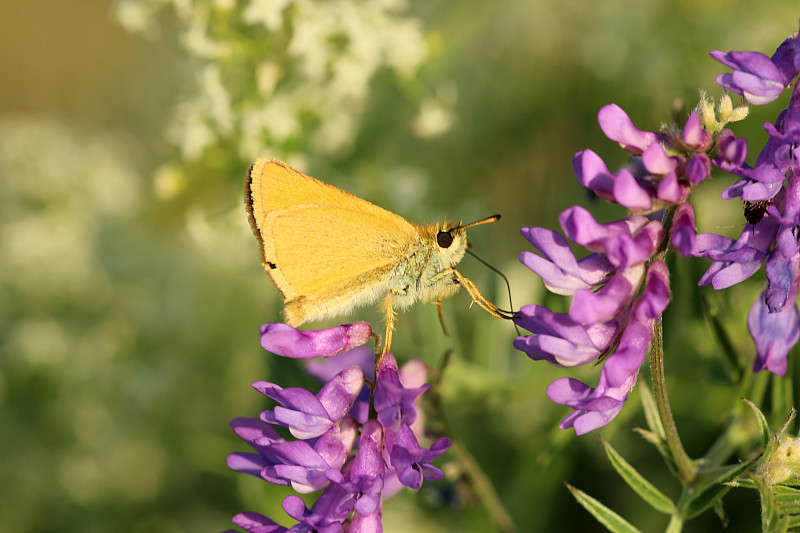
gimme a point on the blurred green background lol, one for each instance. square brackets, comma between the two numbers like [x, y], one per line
[130, 285]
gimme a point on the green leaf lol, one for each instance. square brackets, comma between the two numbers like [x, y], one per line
[787, 496]
[793, 522]
[611, 520]
[742, 484]
[771, 518]
[763, 427]
[651, 412]
[777, 439]
[637, 482]
[780, 507]
[713, 492]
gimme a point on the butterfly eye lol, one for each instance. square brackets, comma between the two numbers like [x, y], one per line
[444, 239]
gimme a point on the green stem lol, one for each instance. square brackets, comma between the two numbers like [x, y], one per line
[683, 463]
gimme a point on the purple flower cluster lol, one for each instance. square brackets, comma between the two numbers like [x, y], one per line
[357, 454]
[771, 192]
[622, 286]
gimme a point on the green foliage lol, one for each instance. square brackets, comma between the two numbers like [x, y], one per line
[611, 520]
[651, 495]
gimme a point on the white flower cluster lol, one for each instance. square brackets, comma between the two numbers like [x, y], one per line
[285, 77]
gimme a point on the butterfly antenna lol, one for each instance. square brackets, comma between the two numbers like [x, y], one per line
[508, 285]
[487, 220]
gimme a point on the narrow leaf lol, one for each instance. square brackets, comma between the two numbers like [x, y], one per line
[793, 522]
[712, 493]
[611, 520]
[787, 496]
[770, 514]
[637, 482]
[651, 412]
[742, 484]
[763, 427]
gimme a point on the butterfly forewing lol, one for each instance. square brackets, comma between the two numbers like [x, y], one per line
[306, 228]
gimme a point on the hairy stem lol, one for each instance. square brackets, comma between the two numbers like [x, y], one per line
[683, 463]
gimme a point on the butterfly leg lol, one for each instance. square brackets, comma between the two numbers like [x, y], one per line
[441, 317]
[475, 294]
[479, 299]
[391, 316]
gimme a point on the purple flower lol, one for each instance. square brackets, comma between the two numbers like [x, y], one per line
[260, 436]
[638, 195]
[284, 340]
[367, 472]
[559, 340]
[625, 242]
[771, 237]
[774, 333]
[590, 307]
[653, 186]
[698, 168]
[596, 407]
[306, 468]
[306, 415]
[592, 407]
[366, 524]
[602, 314]
[731, 150]
[758, 78]
[618, 127]
[734, 261]
[325, 516]
[414, 375]
[611, 316]
[780, 271]
[394, 403]
[558, 268]
[354, 480]
[754, 76]
[257, 523]
[683, 233]
[411, 462]
[695, 138]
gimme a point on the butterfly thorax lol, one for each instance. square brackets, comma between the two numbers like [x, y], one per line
[426, 274]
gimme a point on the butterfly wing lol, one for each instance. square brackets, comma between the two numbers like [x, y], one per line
[326, 250]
